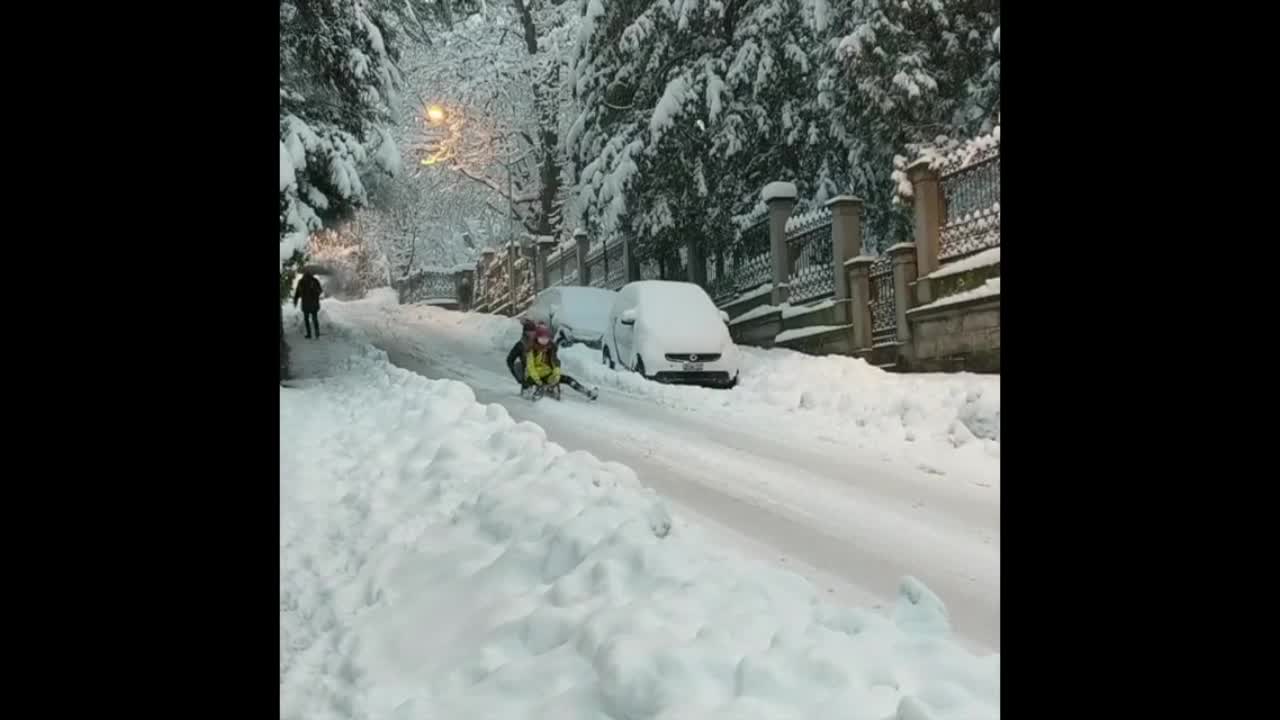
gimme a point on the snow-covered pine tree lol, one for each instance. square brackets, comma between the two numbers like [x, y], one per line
[688, 109]
[637, 68]
[900, 72]
[338, 76]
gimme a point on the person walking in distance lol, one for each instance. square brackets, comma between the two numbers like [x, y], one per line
[309, 291]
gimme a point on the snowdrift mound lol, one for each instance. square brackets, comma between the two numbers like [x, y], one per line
[439, 559]
[955, 409]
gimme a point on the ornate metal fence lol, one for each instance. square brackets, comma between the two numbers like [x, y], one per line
[813, 276]
[427, 285]
[596, 268]
[493, 289]
[615, 275]
[719, 284]
[971, 209]
[749, 264]
[555, 269]
[884, 311]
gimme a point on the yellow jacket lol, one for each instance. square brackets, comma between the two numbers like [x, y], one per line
[540, 368]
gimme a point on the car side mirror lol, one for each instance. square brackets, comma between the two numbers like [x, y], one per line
[724, 316]
[628, 317]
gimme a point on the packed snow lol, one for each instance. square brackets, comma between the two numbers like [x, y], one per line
[752, 294]
[804, 332]
[778, 189]
[758, 311]
[791, 311]
[787, 311]
[440, 559]
[973, 262]
[988, 289]
[803, 221]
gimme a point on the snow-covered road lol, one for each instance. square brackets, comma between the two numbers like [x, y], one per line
[851, 514]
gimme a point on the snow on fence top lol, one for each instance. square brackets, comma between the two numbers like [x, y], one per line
[991, 288]
[777, 189]
[752, 217]
[946, 157]
[953, 157]
[440, 269]
[798, 224]
[988, 257]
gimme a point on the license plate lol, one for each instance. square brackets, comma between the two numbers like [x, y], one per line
[693, 367]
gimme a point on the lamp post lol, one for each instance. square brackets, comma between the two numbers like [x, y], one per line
[435, 117]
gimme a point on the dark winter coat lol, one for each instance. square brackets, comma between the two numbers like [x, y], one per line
[309, 291]
[517, 355]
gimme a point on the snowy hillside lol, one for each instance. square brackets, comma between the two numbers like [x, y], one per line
[439, 559]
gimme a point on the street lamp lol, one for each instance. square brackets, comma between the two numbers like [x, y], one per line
[438, 152]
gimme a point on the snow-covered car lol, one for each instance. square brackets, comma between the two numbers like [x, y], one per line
[671, 332]
[575, 314]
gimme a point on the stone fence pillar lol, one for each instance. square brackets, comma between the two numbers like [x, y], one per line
[546, 246]
[630, 268]
[903, 257]
[859, 280]
[781, 199]
[846, 243]
[926, 187]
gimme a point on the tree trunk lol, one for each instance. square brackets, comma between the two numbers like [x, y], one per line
[548, 130]
[284, 348]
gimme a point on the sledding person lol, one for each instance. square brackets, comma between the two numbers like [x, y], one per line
[542, 367]
[515, 358]
[309, 291]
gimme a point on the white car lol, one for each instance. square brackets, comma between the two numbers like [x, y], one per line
[574, 313]
[671, 332]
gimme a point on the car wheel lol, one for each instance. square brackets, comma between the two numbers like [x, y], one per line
[606, 358]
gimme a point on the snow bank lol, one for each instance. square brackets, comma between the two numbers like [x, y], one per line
[804, 332]
[762, 290]
[973, 262]
[990, 288]
[946, 416]
[755, 312]
[439, 559]
[790, 311]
